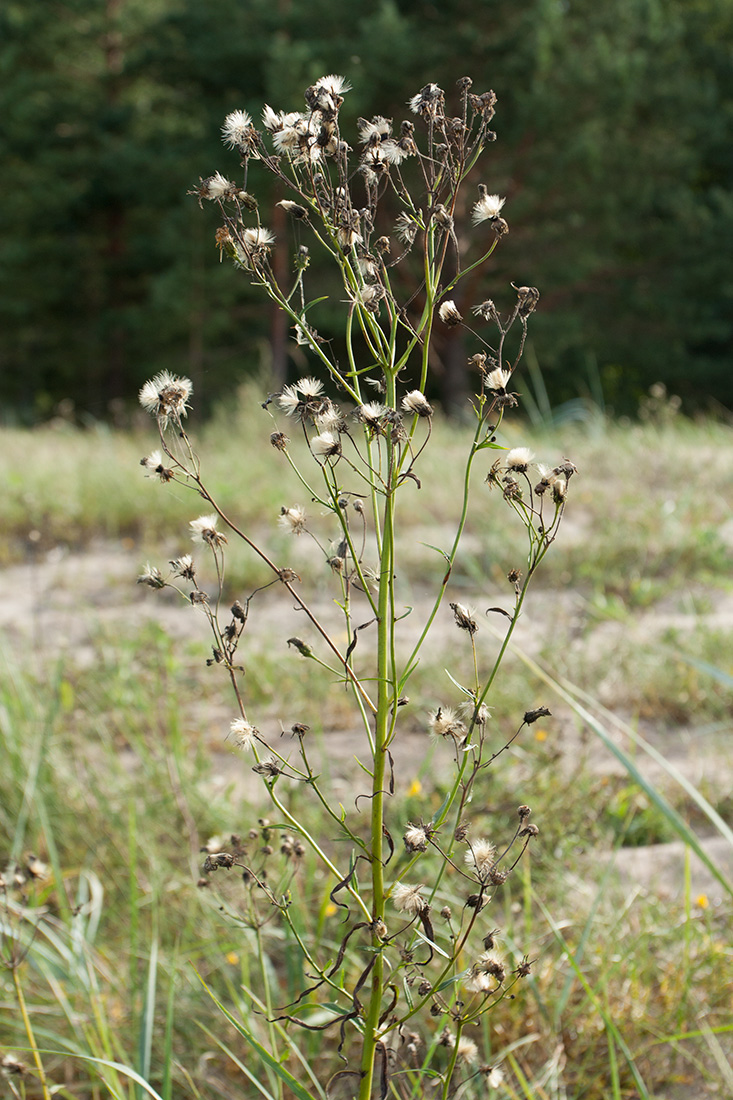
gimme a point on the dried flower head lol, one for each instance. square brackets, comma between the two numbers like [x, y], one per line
[446, 723]
[243, 733]
[237, 131]
[487, 208]
[152, 577]
[481, 857]
[449, 313]
[183, 567]
[166, 397]
[204, 530]
[519, 459]
[326, 445]
[464, 618]
[467, 1050]
[417, 837]
[496, 380]
[154, 463]
[416, 403]
[408, 899]
[293, 519]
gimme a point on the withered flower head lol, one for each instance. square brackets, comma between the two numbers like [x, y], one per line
[408, 899]
[166, 396]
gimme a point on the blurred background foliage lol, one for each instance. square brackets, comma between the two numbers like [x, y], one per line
[614, 151]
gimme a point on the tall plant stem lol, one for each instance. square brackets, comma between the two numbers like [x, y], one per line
[385, 698]
[29, 1034]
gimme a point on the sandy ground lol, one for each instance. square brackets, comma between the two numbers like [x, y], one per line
[57, 603]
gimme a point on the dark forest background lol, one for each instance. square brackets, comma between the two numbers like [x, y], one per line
[615, 152]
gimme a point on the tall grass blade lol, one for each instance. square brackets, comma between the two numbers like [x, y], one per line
[262, 1052]
[610, 1026]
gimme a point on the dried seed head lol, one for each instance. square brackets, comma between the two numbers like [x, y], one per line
[204, 530]
[445, 723]
[518, 459]
[464, 618]
[490, 939]
[294, 209]
[487, 208]
[467, 1050]
[523, 812]
[529, 830]
[497, 380]
[302, 648]
[480, 857]
[166, 396]
[326, 445]
[449, 314]
[416, 403]
[270, 768]
[152, 577]
[184, 567]
[477, 901]
[279, 441]
[408, 899]
[12, 1067]
[531, 716]
[154, 464]
[527, 299]
[243, 733]
[293, 520]
[446, 912]
[424, 988]
[238, 131]
[238, 612]
[524, 968]
[416, 837]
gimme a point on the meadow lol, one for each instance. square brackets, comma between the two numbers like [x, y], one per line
[136, 975]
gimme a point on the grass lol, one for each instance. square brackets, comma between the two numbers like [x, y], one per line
[116, 773]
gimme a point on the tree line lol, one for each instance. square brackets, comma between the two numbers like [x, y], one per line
[613, 150]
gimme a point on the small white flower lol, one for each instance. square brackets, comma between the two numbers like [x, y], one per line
[519, 459]
[408, 899]
[415, 402]
[236, 130]
[449, 314]
[204, 530]
[481, 857]
[326, 444]
[496, 380]
[293, 519]
[165, 396]
[487, 208]
[243, 733]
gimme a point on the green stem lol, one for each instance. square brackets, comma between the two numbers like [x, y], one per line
[385, 677]
[29, 1034]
